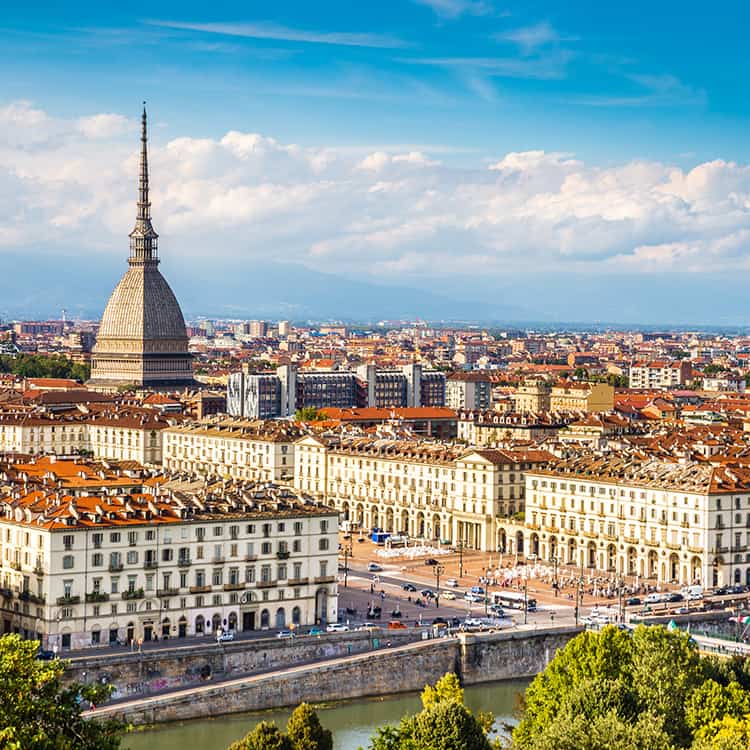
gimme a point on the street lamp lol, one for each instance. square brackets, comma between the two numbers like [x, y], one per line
[347, 554]
[579, 595]
[525, 598]
[439, 570]
[555, 561]
[460, 558]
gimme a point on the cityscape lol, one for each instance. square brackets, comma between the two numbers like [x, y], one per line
[390, 455]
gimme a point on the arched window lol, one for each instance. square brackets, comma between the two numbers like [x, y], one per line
[199, 625]
[297, 615]
[265, 618]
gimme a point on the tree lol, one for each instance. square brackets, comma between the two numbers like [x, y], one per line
[444, 723]
[305, 731]
[651, 672]
[40, 366]
[265, 736]
[309, 414]
[38, 711]
[728, 734]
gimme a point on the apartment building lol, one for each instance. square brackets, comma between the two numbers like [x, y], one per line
[172, 560]
[119, 433]
[269, 396]
[492, 428]
[468, 391]
[659, 374]
[436, 491]
[668, 522]
[236, 448]
[533, 395]
[587, 397]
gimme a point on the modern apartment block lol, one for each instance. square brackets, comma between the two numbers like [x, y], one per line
[267, 396]
[468, 391]
[669, 522]
[169, 559]
[660, 374]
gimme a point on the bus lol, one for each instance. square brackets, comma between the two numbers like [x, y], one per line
[514, 600]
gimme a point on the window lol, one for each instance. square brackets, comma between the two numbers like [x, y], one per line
[265, 573]
[150, 535]
[234, 532]
[281, 528]
[200, 534]
[324, 526]
[132, 557]
[68, 540]
[323, 544]
[217, 577]
[200, 578]
[167, 554]
[265, 548]
[297, 570]
[114, 537]
[297, 528]
[68, 561]
[250, 528]
[281, 572]
[114, 585]
[97, 560]
[97, 540]
[297, 545]
[250, 574]
[218, 531]
[132, 538]
[323, 568]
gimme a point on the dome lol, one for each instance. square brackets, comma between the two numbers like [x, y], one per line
[142, 306]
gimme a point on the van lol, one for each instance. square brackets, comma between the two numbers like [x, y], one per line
[397, 625]
[692, 593]
[654, 598]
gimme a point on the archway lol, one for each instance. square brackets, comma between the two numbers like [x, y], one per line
[519, 542]
[436, 527]
[360, 514]
[182, 627]
[165, 627]
[233, 621]
[695, 570]
[632, 557]
[653, 564]
[130, 632]
[199, 625]
[148, 631]
[737, 575]
[265, 619]
[571, 552]
[591, 555]
[674, 567]
[611, 557]
[296, 615]
[215, 622]
[374, 517]
[404, 525]
[280, 618]
[502, 541]
[389, 520]
[534, 545]
[345, 510]
[321, 606]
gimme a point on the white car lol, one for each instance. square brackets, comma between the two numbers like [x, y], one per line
[373, 567]
[452, 582]
[470, 596]
[227, 635]
[448, 595]
[337, 627]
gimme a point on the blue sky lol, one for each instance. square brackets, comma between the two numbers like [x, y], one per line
[604, 80]
[525, 155]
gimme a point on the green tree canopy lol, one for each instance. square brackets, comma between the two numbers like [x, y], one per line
[37, 711]
[41, 366]
[615, 690]
[265, 736]
[305, 731]
[309, 414]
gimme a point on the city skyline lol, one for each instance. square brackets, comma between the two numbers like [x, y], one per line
[498, 163]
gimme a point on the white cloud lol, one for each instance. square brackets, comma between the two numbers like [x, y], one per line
[284, 33]
[531, 38]
[388, 214]
[455, 8]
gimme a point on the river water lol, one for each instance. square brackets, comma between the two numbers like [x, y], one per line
[352, 722]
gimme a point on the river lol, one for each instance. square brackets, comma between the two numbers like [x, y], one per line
[352, 722]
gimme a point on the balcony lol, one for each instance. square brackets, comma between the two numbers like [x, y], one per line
[265, 584]
[590, 534]
[283, 555]
[150, 564]
[200, 589]
[234, 586]
[673, 545]
[631, 540]
[652, 542]
[15, 565]
[134, 594]
[251, 558]
[696, 550]
[97, 596]
[219, 559]
[184, 562]
[324, 579]
[298, 581]
[63, 601]
[167, 592]
[38, 570]
[115, 567]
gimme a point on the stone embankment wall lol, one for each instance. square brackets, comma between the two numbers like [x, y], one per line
[138, 675]
[475, 658]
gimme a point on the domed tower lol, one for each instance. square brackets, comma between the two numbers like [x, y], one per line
[142, 339]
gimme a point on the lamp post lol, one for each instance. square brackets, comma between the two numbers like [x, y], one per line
[555, 561]
[347, 554]
[579, 596]
[525, 598]
[620, 600]
[460, 558]
[439, 570]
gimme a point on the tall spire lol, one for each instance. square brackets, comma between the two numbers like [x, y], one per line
[143, 238]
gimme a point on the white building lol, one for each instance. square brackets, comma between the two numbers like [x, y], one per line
[240, 449]
[171, 560]
[651, 519]
[435, 491]
[659, 374]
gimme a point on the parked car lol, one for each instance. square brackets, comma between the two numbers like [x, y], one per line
[472, 623]
[284, 634]
[397, 625]
[632, 601]
[337, 627]
[477, 590]
[45, 654]
[409, 587]
[470, 596]
[368, 626]
[673, 596]
[315, 631]
[373, 567]
[722, 591]
[497, 610]
[430, 561]
[227, 635]
[448, 595]
[452, 582]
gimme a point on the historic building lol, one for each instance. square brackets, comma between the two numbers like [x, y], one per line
[671, 522]
[90, 555]
[436, 491]
[142, 339]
